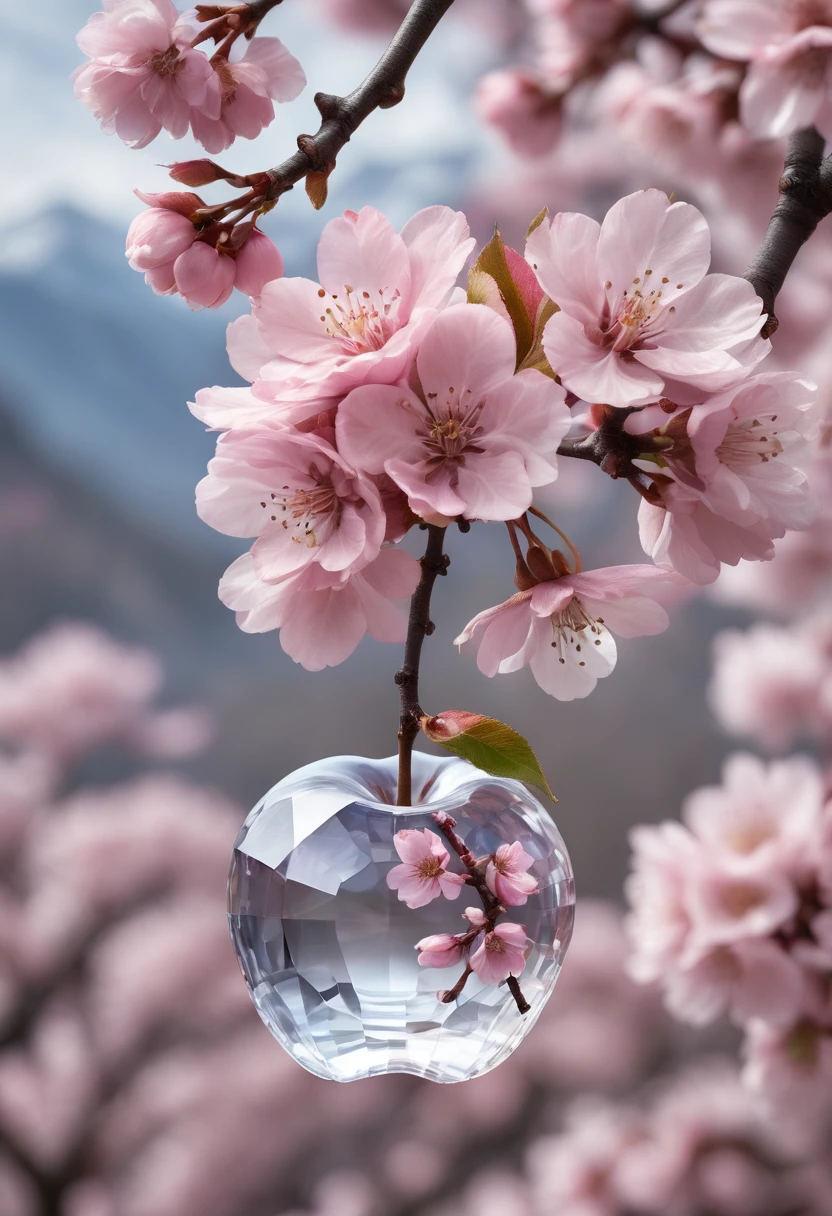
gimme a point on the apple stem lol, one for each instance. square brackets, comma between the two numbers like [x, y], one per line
[419, 626]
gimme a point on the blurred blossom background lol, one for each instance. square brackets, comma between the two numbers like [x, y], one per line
[138, 725]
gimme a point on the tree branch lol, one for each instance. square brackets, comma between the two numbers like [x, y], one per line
[805, 199]
[419, 626]
[383, 88]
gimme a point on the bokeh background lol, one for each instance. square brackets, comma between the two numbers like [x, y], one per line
[135, 1078]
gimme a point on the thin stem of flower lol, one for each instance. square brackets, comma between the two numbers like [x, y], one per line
[450, 996]
[419, 626]
[572, 549]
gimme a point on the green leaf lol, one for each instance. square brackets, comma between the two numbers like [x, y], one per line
[487, 744]
[492, 261]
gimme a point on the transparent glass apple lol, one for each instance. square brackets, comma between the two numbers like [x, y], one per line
[327, 949]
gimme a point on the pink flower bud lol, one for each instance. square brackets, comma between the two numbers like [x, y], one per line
[157, 237]
[449, 724]
[204, 276]
[440, 950]
[197, 172]
[258, 263]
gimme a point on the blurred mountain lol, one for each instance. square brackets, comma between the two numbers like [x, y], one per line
[96, 370]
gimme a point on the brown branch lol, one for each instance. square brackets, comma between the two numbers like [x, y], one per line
[805, 199]
[341, 116]
[419, 626]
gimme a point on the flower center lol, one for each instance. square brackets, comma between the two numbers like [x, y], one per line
[166, 63]
[299, 510]
[753, 441]
[634, 316]
[362, 323]
[452, 428]
[430, 867]
[574, 627]
[494, 943]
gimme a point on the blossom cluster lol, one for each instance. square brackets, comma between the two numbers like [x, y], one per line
[732, 912]
[773, 683]
[147, 73]
[492, 951]
[383, 396]
[695, 1144]
[689, 69]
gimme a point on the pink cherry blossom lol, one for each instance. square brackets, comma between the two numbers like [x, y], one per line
[73, 688]
[766, 684]
[476, 438]
[323, 615]
[639, 317]
[562, 627]
[733, 479]
[243, 409]
[378, 290]
[440, 950]
[664, 859]
[144, 73]
[762, 818]
[266, 73]
[788, 46]
[298, 496]
[423, 876]
[752, 978]
[500, 954]
[791, 1071]
[506, 875]
[518, 105]
[801, 572]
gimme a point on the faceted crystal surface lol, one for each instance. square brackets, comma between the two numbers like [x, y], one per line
[327, 948]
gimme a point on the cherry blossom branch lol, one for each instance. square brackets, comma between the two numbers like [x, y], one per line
[341, 116]
[419, 626]
[805, 199]
[491, 906]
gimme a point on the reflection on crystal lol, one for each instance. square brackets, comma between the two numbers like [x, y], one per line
[328, 950]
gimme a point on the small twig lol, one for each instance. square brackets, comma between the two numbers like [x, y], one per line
[419, 626]
[805, 199]
[491, 906]
[341, 116]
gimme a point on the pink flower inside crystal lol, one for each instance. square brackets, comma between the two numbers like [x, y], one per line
[423, 876]
[440, 950]
[507, 875]
[500, 954]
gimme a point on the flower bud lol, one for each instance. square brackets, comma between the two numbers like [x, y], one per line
[197, 172]
[449, 724]
[258, 262]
